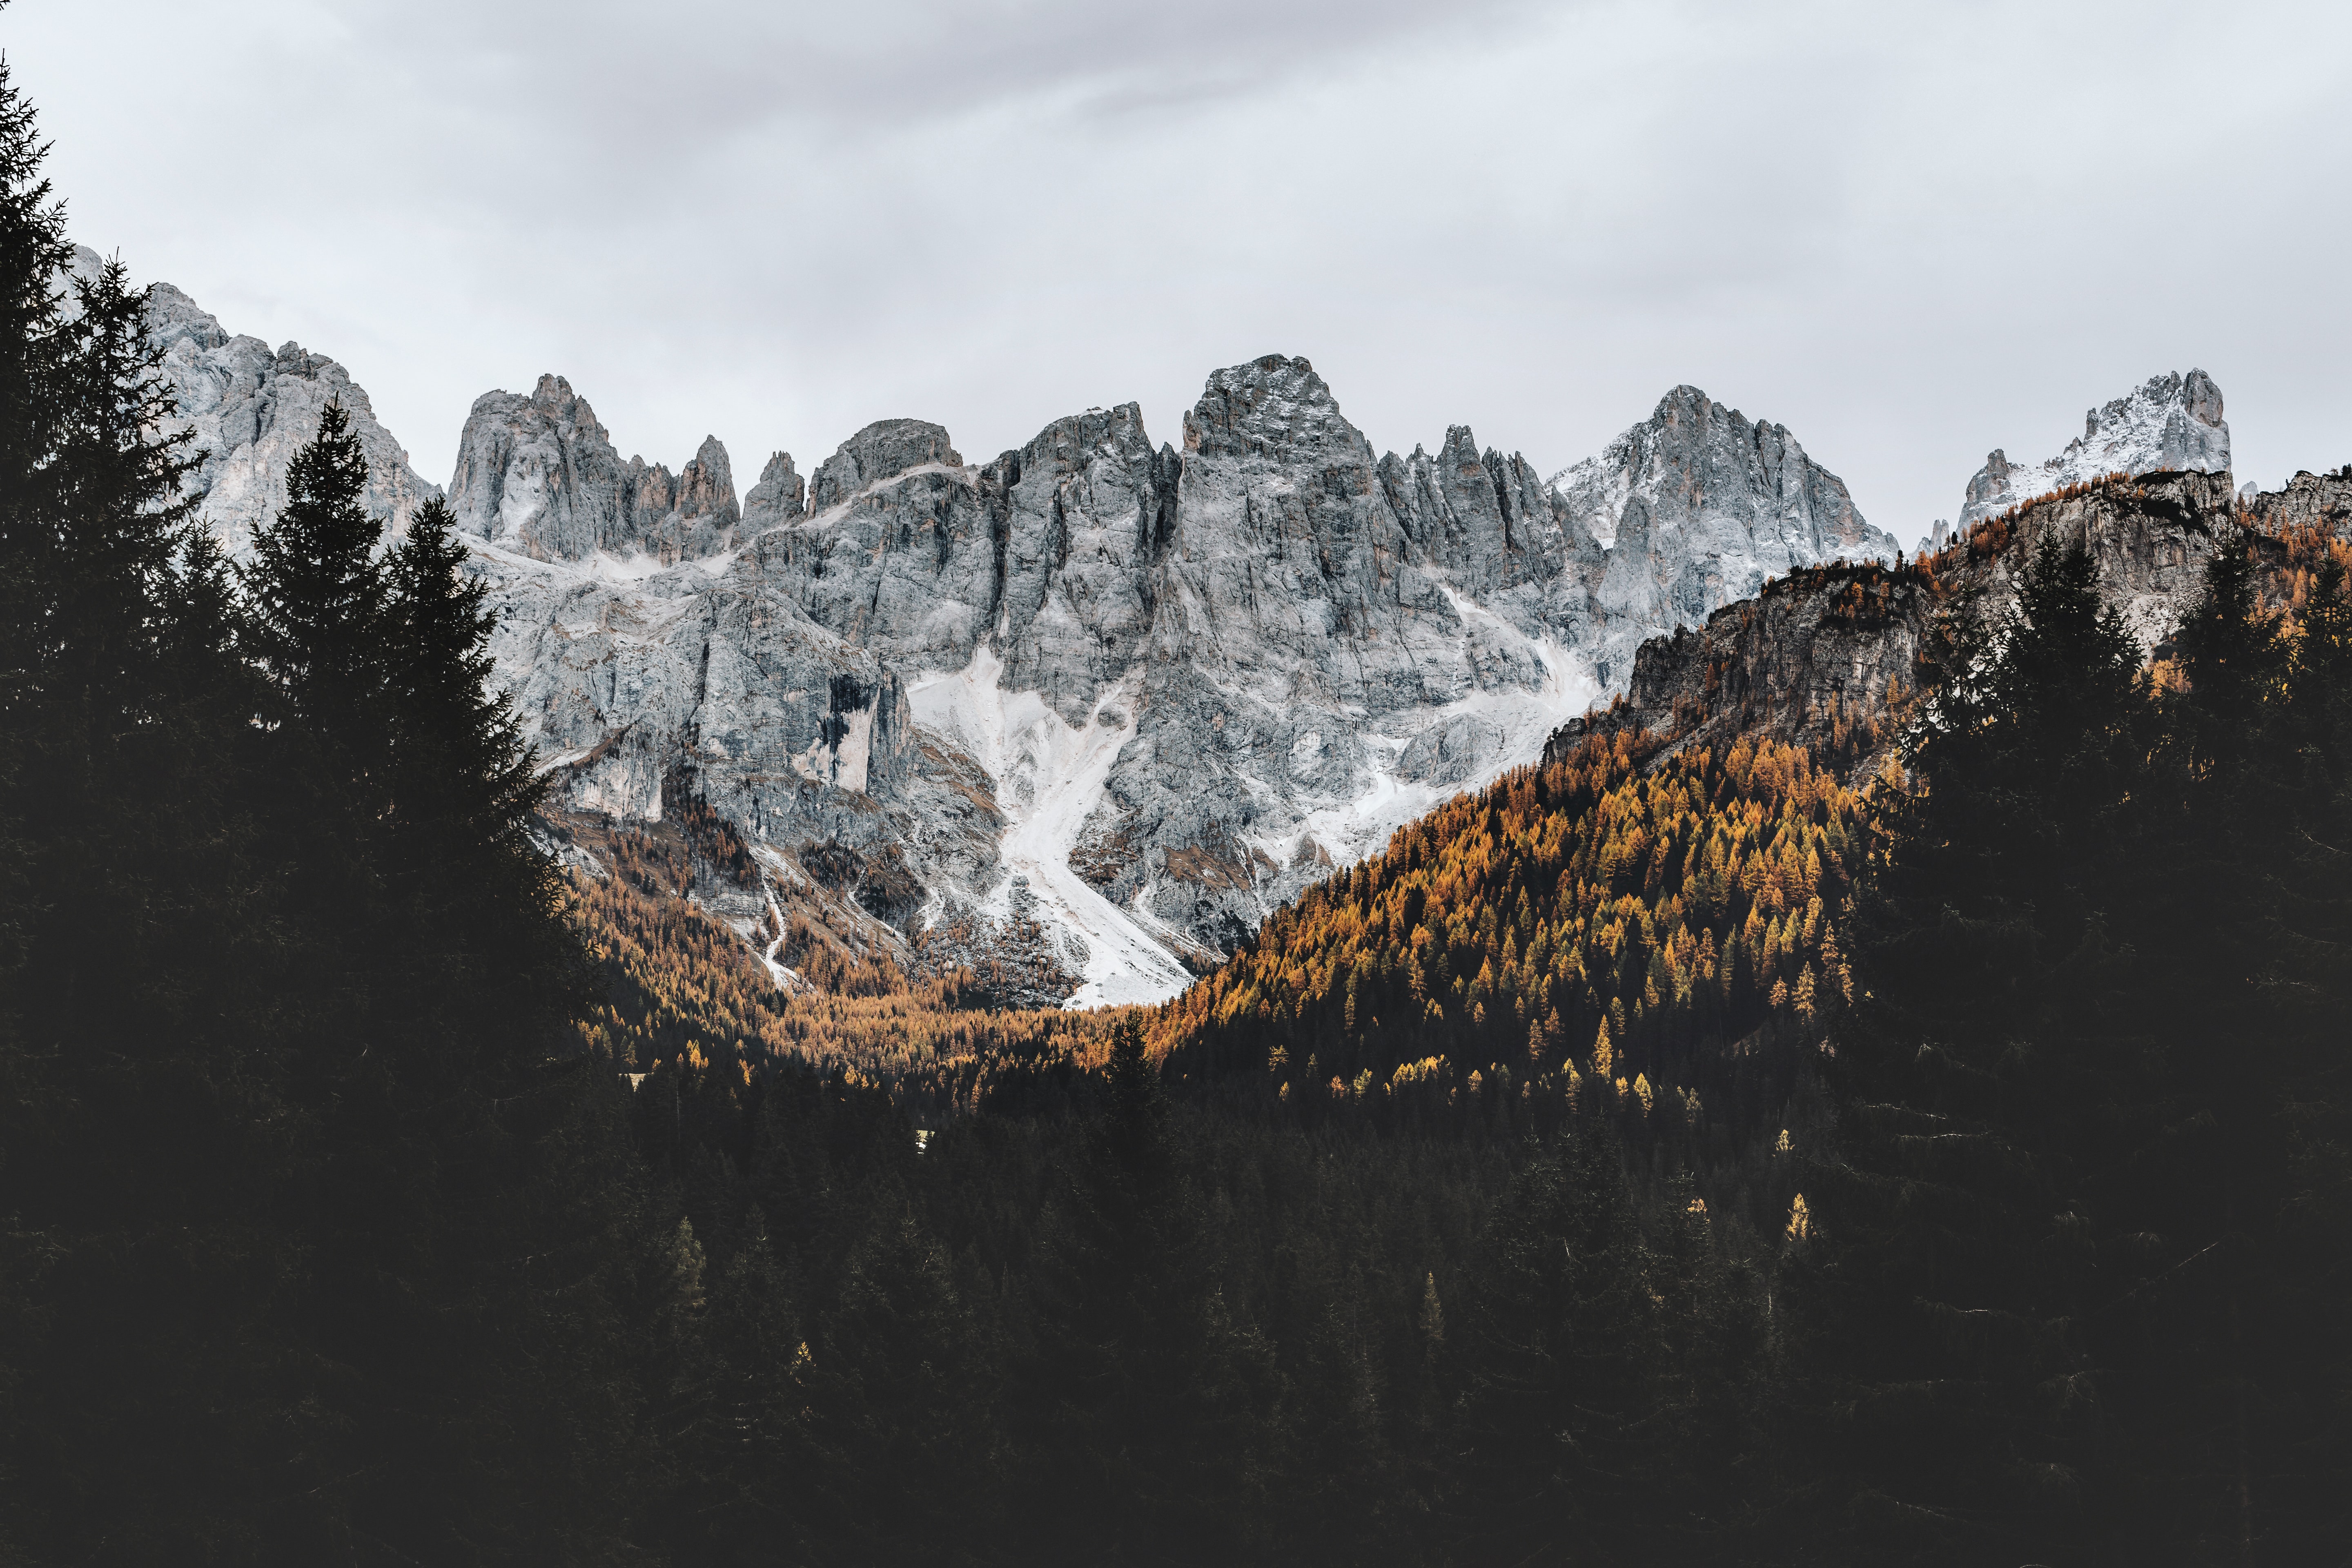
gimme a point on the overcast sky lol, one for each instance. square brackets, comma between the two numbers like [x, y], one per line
[1908, 233]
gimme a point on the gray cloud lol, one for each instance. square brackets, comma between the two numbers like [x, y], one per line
[1910, 233]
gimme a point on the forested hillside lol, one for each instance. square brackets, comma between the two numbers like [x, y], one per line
[1964, 1080]
[679, 987]
[1592, 918]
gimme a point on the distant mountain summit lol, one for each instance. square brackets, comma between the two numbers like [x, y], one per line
[539, 476]
[2172, 423]
[1131, 696]
[1698, 506]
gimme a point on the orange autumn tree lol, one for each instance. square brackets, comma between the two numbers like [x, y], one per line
[1594, 920]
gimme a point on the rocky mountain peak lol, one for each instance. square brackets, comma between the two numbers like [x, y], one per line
[1159, 691]
[779, 497]
[2168, 424]
[555, 396]
[1697, 506]
[1273, 406]
[1694, 458]
[250, 408]
[1069, 438]
[538, 475]
[1685, 404]
[706, 485]
[883, 450]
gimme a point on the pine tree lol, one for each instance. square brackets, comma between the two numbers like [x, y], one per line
[464, 776]
[1139, 1370]
[143, 1122]
[463, 1128]
[2248, 952]
[901, 1389]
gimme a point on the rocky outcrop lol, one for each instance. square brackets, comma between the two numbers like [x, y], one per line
[2172, 423]
[1181, 683]
[779, 497]
[539, 476]
[1698, 506]
[2308, 501]
[881, 451]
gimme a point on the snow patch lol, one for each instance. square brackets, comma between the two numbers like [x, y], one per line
[2166, 423]
[783, 975]
[1049, 779]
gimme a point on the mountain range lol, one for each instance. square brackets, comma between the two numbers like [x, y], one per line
[1113, 700]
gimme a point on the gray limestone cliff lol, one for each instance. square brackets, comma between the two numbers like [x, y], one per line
[1698, 506]
[1138, 694]
[2308, 501]
[1829, 652]
[1176, 684]
[539, 476]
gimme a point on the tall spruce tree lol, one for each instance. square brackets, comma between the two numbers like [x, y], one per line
[2243, 1389]
[1140, 1385]
[2070, 1242]
[2300, 1360]
[474, 1218]
[319, 595]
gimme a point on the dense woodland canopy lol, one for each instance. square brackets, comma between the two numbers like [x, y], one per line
[1721, 1155]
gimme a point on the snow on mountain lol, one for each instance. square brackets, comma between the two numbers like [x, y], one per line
[2170, 424]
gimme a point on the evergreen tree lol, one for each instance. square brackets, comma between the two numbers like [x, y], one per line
[141, 1120]
[1139, 1385]
[747, 1481]
[474, 1213]
[319, 595]
[465, 780]
[901, 1388]
[2251, 954]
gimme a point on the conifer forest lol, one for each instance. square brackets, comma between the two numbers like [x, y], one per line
[1926, 1142]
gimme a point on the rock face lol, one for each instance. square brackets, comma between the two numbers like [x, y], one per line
[539, 476]
[1135, 695]
[2322, 501]
[1152, 690]
[252, 408]
[1698, 506]
[2172, 423]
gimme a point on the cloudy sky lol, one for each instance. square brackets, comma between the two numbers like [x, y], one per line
[1909, 233]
